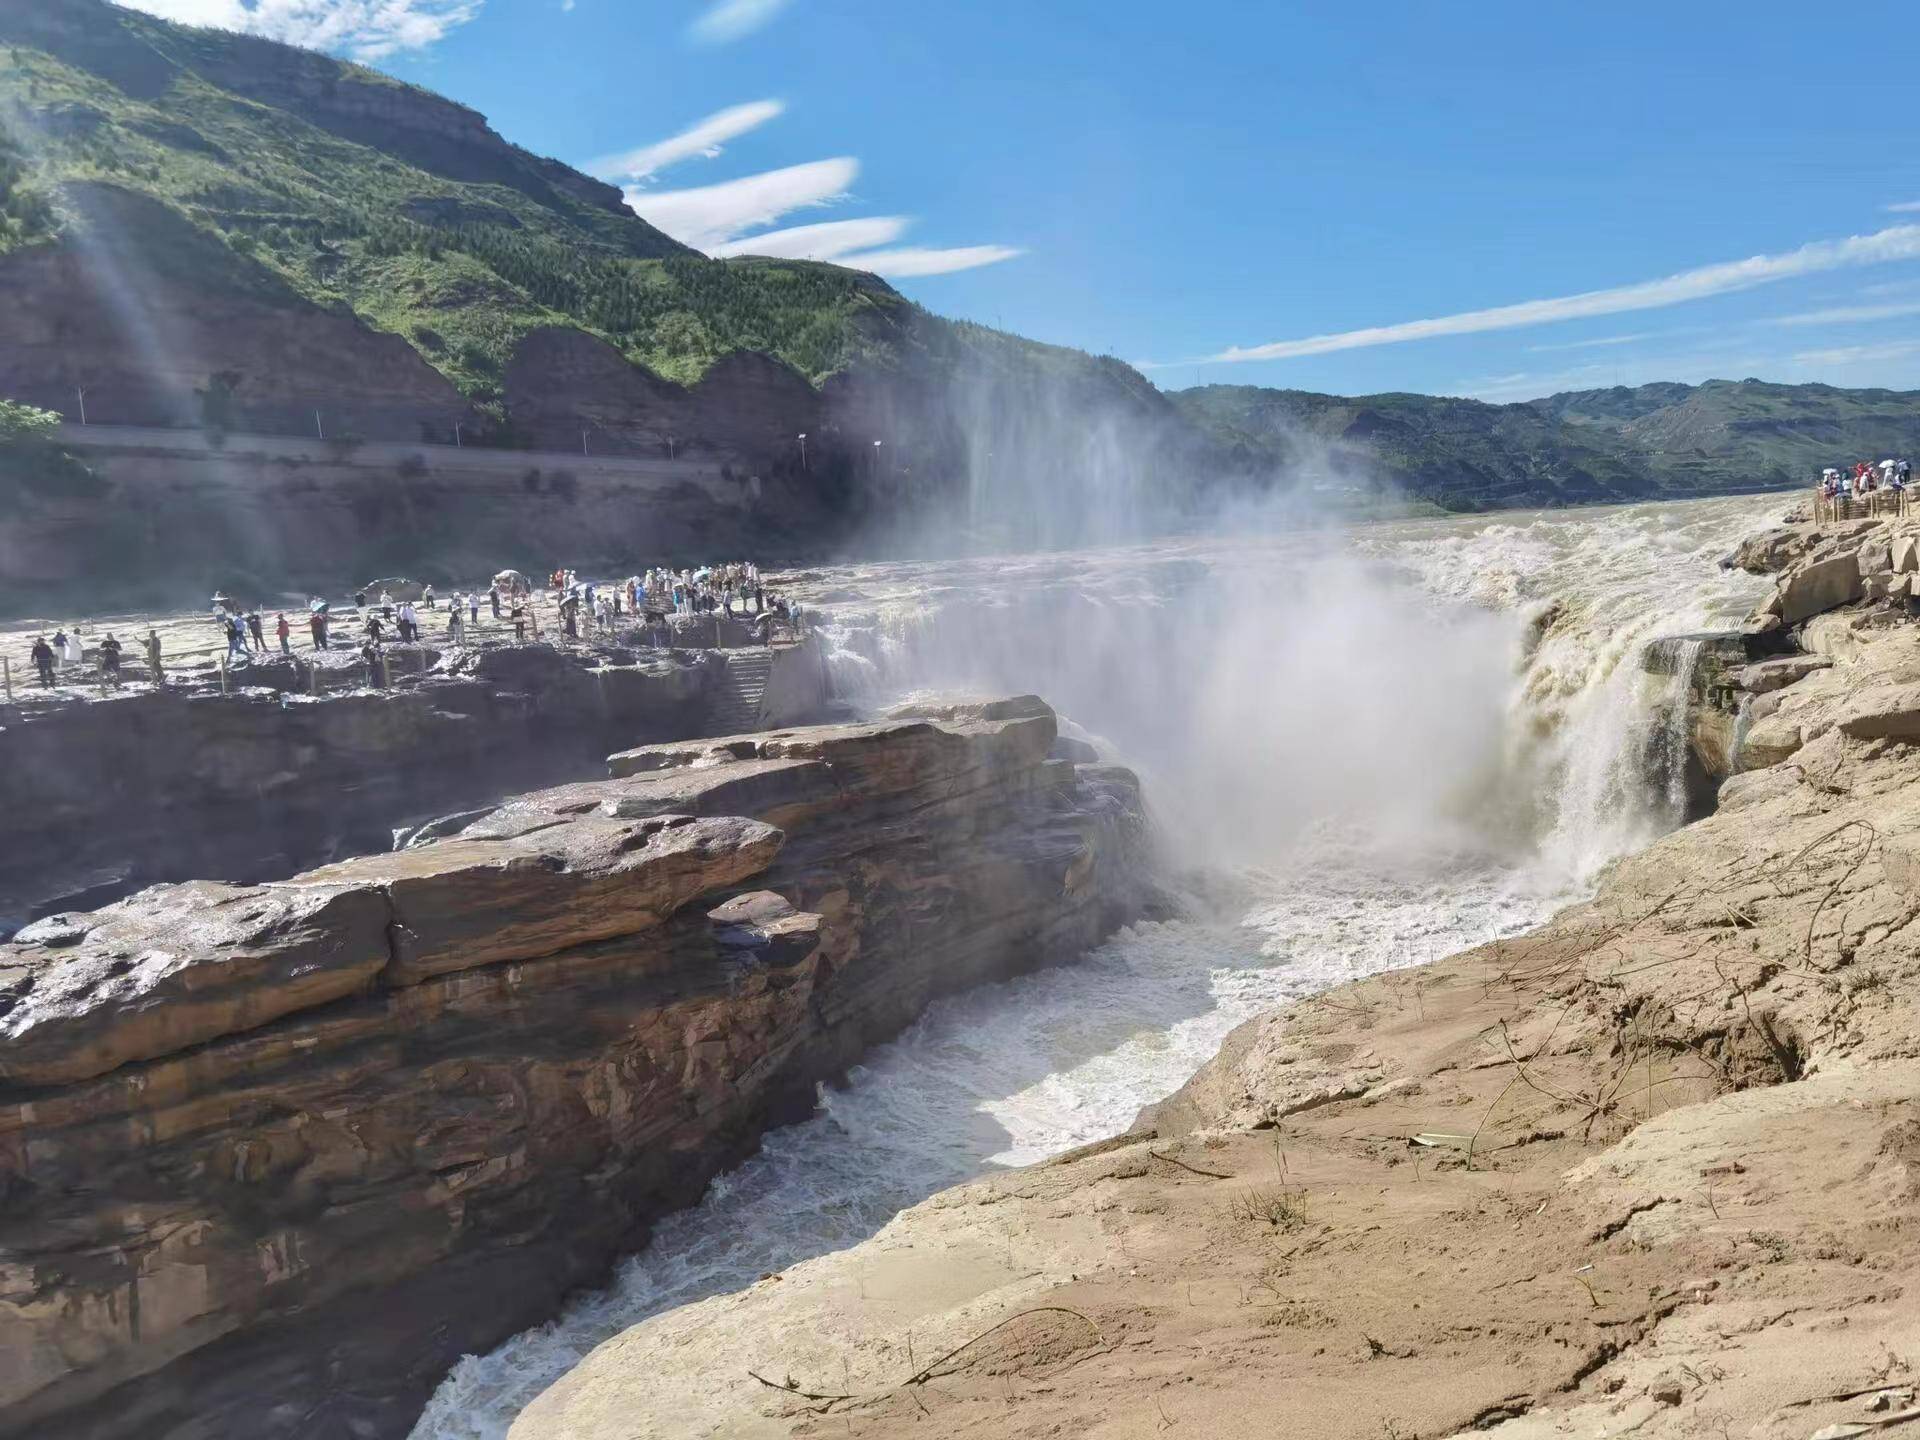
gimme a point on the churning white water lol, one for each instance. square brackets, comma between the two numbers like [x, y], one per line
[1363, 751]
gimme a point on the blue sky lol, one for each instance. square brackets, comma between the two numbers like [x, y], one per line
[1250, 192]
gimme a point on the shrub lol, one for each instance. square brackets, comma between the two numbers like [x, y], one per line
[26, 424]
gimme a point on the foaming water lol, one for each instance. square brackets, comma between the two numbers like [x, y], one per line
[1370, 751]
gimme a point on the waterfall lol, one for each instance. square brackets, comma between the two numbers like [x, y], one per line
[1366, 752]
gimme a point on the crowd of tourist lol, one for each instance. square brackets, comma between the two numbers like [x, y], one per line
[641, 603]
[1892, 476]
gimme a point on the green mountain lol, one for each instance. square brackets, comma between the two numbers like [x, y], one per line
[1594, 445]
[206, 231]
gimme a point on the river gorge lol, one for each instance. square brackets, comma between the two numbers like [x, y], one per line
[1363, 750]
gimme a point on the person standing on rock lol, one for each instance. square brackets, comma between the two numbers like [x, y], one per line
[110, 660]
[281, 631]
[493, 599]
[426, 597]
[43, 661]
[473, 607]
[456, 622]
[317, 627]
[153, 657]
[254, 628]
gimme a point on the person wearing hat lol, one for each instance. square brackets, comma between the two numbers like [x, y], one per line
[43, 661]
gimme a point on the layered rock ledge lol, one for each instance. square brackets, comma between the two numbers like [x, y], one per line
[274, 1156]
[1653, 1170]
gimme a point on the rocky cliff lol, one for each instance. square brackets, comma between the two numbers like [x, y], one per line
[1650, 1170]
[274, 1156]
[108, 794]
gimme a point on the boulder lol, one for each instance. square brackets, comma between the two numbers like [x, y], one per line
[1768, 742]
[394, 587]
[1875, 559]
[176, 966]
[1905, 553]
[1777, 674]
[1065, 747]
[1772, 551]
[1820, 585]
[1885, 712]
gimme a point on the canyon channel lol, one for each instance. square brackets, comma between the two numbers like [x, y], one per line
[1362, 750]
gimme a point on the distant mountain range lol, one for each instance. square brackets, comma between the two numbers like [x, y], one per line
[200, 229]
[1587, 445]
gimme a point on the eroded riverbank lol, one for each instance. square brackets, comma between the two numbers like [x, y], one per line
[1648, 1167]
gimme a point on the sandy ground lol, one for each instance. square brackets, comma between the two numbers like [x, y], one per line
[1653, 1170]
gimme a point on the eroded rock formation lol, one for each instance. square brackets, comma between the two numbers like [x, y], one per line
[274, 1156]
[1650, 1170]
[186, 782]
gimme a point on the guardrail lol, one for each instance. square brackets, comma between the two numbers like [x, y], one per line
[1886, 503]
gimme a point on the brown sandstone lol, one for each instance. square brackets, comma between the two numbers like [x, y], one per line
[274, 1157]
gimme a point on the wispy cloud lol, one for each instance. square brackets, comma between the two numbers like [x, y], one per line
[365, 29]
[911, 260]
[705, 138]
[828, 240]
[1599, 344]
[1849, 314]
[711, 215]
[724, 21]
[1899, 242]
[1859, 354]
[1905, 207]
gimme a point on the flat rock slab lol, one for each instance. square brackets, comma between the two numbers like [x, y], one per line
[176, 966]
[1778, 674]
[464, 903]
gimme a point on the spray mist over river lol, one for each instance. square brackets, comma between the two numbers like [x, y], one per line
[1363, 750]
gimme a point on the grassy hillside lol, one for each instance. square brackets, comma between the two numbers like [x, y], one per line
[383, 199]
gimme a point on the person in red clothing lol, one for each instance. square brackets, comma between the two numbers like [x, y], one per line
[282, 629]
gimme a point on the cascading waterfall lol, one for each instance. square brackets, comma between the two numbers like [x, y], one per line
[1366, 752]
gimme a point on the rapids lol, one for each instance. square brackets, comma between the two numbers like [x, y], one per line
[1364, 750]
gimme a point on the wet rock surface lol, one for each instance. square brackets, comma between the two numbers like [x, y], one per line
[275, 1156]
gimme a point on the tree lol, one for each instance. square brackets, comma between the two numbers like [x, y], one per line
[26, 424]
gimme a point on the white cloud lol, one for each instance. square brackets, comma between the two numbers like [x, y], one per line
[911, 260]
[711, 215]
[1601, 343]
[1849, 314]
[724, 21]
[1899, 242]
[706, 138]
[1905, 207]
[828, 240]
[1859, 354]
[365, 29]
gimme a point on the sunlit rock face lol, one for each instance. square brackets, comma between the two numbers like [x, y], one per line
[274, 1156]
[188, 783]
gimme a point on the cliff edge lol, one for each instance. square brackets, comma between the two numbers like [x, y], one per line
[275, 1156]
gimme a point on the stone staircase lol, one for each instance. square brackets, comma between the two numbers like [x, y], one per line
[735, 706]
